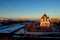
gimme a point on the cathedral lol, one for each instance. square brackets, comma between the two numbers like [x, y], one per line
[44, 21]
[43, 25]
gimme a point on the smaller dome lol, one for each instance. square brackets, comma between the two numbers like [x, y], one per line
[45, 15]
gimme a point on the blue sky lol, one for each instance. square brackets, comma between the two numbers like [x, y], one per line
[29, 8]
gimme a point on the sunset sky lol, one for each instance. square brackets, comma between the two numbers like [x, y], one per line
[29, 8]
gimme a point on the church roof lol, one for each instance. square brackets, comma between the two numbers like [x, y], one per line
[44, 16]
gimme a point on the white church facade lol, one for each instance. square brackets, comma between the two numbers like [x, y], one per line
[44, 21]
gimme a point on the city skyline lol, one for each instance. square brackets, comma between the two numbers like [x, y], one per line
[29, 8]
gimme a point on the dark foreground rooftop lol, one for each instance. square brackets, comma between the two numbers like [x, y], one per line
[16, 32]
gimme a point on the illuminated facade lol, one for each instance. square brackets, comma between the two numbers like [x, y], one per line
[44, 21]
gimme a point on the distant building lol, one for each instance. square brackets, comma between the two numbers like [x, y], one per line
[44, 21]
[1, 19]
[54, 20]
